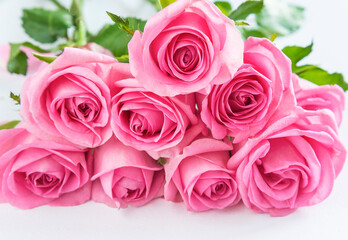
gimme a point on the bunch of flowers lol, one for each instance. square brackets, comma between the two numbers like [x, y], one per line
[192, 113]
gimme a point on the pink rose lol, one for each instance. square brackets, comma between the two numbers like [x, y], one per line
[312, 97]
[34, 64]
[35, 172]
[200, 178]
[194, 132]
[146, 121]
[69, 100]
[184, 48]
[292, 164]
[123, 175]
[241, 107]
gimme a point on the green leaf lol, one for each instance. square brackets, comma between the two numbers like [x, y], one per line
[15, 98]
[312, 73]
[136, 24]
[115, 39]
[254, 32]
[296, 53]
[46, 26]
[245, 9]
[117, 19]
[123, 59]
[45, 58]
[225, 7]
[17, 62]
[301, 69]
[280, 17]
[125, 24]
[34, 47]
[165, 3]
[321, 77]
[9, 125]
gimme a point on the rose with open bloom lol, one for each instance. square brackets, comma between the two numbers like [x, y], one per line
[124, 175]
[242, 106]
[312, 97]
[69, 100]
[200, 178]
[292, 164]
[186, 47]
[146, 121]
[35, 172]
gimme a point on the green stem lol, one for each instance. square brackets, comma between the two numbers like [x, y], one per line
[80, 34]
[128, 30]
[59, 5]
[273, 37]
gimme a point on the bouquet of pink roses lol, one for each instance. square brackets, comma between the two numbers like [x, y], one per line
[192, 105]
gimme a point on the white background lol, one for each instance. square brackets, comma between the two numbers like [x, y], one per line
[326, 23]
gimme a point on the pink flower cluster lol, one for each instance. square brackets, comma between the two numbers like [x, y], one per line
[226, 119]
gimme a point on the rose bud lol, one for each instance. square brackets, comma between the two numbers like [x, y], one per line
[125, 176]
[200, 178]
[312, 97]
